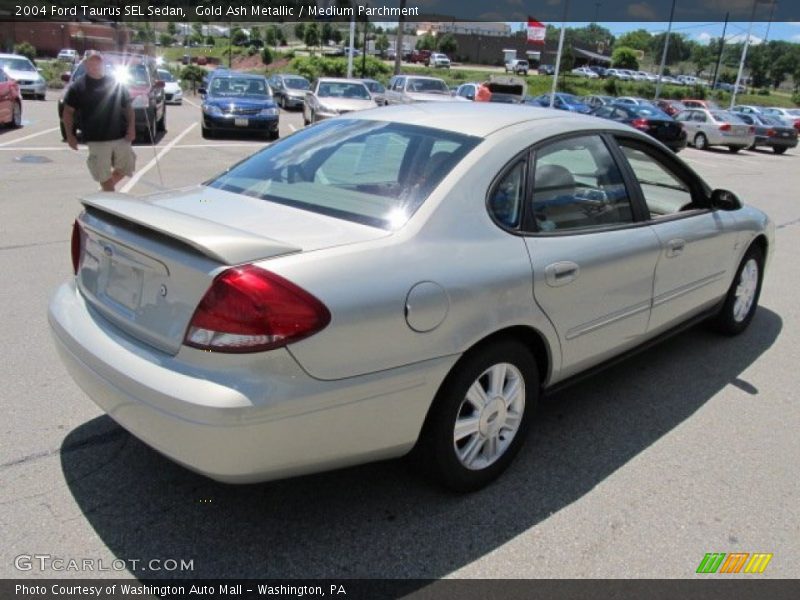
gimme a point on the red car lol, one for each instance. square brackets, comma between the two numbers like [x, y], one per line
[10, 101]
[693, 103]
[420, 56]
[671, 107]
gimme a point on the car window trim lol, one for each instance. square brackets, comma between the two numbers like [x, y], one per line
[524, 155]
[697, 188]
[532, 230]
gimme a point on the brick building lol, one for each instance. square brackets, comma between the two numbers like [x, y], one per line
[48, 37]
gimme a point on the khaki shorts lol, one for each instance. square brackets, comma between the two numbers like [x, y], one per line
[104, 157]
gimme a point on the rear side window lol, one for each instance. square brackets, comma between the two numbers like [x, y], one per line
[370, 172]
[577, 185]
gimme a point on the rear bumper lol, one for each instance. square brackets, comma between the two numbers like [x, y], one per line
[240, 418]
[293, 102]
[777, 142]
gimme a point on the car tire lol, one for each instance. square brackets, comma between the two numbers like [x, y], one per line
[16, 116]
[162, 122]
[206, 133]
[779, 149]
[492, 434]
[734, 149]
[63, 132]
[701, 141]
[742, 299]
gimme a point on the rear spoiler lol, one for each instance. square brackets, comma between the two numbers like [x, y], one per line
[227, 245]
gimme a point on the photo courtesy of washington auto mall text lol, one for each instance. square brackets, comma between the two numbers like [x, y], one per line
[399, 299]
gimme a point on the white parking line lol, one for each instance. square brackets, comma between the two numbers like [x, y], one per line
[138, 175]
[192, 103]
[27, 137]
[292, 127]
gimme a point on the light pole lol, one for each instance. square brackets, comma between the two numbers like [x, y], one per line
[664, 54]
[558, 55]
[744, 53]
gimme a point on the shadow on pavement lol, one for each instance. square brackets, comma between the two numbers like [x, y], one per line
[382, 520]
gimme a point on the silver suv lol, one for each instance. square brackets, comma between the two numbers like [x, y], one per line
[517, 66]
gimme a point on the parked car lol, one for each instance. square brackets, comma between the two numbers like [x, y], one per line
[138, 73]
[667, 79]
[633, 101]
[331, 97]
[596, 101]
[645, 76]
[374, 285]
[649, 119]
[20, 68]
[585, 72]
[289, 90]
[671, 107]
[789, 115]
[705, 128]
[404, 89]
[173, 94]
[772, 132]
[67, 55]
[420, 56]
[546, 70]
[706, 104]
[467, 91]
[517, 66]
[10, 102]
[562, 101]
[437, 60]
[747, 109]
[377, 89]
[239, 102]
[618, 74]
[601, 71]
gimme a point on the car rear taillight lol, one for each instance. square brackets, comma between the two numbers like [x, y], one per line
[77, 239]
[248, 309]
[797, 124]
[725, 127]
[770, 132]
[752, 129]
[641, 123]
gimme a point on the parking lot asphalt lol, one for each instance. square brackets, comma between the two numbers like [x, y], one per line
[688, 448]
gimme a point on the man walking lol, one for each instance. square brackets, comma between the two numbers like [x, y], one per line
[108, 123]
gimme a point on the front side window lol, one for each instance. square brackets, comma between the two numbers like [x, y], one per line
[578, 185]
[664, 192]
[369, 172]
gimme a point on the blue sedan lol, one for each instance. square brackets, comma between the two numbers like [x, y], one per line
[563, 101]
[239, 102]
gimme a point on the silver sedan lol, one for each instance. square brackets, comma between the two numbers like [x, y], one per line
[708, 127]
[411, 278]
[331, 97]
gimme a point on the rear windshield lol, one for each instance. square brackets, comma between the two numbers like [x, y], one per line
[296, 83]
[429, 86]
[369, 172]
[342, 89]
[725, 117]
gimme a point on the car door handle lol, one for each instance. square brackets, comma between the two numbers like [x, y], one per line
[675, 247]
[561, 273]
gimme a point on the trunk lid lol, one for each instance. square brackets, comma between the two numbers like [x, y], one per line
[503, 88]
[147, 262]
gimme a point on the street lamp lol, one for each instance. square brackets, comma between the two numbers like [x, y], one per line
[744, 51]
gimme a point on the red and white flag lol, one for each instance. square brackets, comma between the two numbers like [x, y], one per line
[536, 31]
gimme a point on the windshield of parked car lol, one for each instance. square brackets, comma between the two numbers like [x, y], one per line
[342, 89]
[16, 64]
[135, 75]
[238, 86]
[372, 172]
[296, 83]
[427, 86]
[164, 75]
[569, 98]
[374, 87]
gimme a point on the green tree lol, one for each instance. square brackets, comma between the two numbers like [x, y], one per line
[701, 57]
[311, 35]
[448, 44]
[382, 44]
[238, 37]
[327, 32]
[679, 49]
[266, 55]
[172, 29]
[25, 49]
[166, 39]
[197, 27]
[336, 36]
[210, 41]
[300, 31]
[426, 42]
[638, 39]
[624, 58]
[255, 33]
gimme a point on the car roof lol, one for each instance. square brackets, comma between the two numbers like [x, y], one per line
[238, 75]
[479, 119]
[339, 80]
[410, 75]
[14, 56]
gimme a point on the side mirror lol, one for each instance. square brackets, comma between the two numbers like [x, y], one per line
[202, 91]
[470, 96]
[65, 77]
[725, 200]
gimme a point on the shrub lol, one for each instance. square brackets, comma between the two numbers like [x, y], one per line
[796, 98]
[252, 51]
[763, 92]
[193, 73]
[312, 67]
[610, 87]
[645, 90]
[700, 92]
[25, 49]
[266, 55]
[624, 58]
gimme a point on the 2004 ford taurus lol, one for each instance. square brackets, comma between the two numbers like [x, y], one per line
[406, 278]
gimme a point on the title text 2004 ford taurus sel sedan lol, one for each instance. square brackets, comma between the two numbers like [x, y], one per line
[408, 277]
